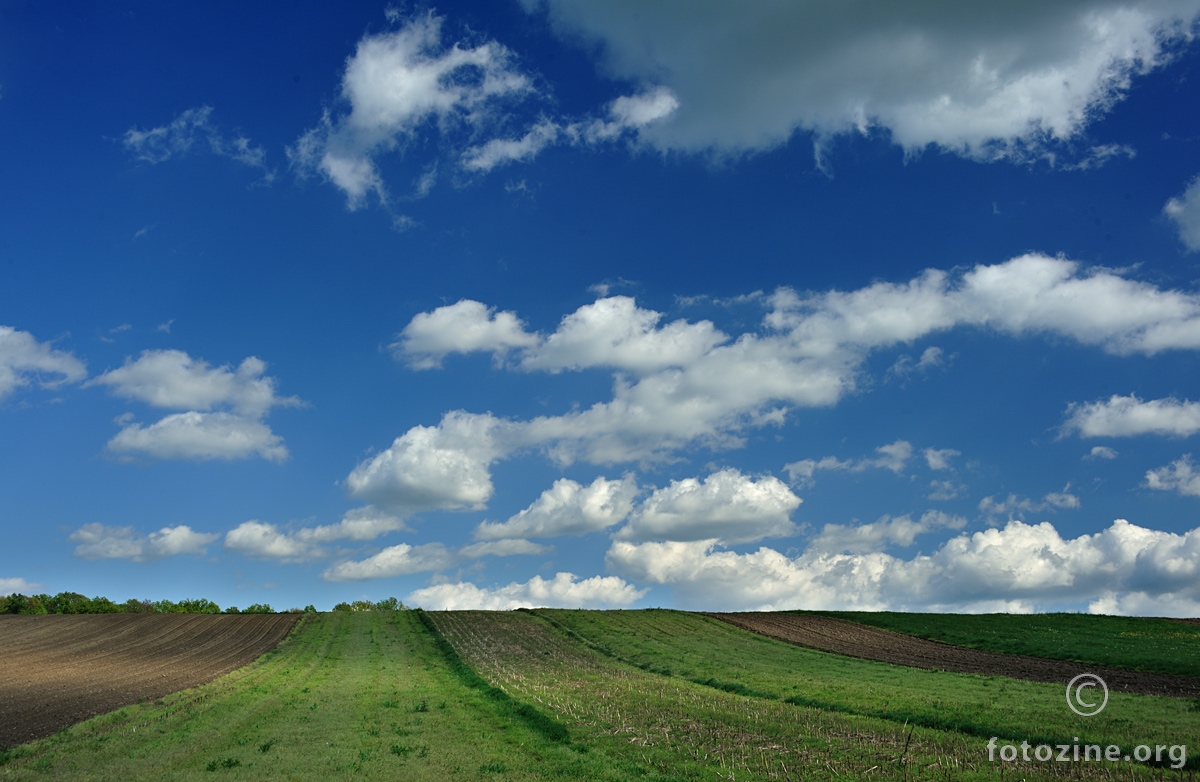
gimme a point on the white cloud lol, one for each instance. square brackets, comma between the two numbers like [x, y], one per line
[266, 541]
[464, 327]
[500, 151]
[687, 385]
[615, 332]
[173, 379]
[200, 436]
[23, 359]
[1014, 506]
[189, 129]
[892, 457]
[1184, 211]
[942, 491]
[502, 548]
[939, 458]
[1128, 416]
[562, 591]
[1101, 452]
[568, 508]
[888, 530]
[97, 541]
[905, 366]
[443, 467]
[1180, 475]
[726, 505]
[985, 83]
[398, 560]
[1020, 567]
[396, 83]
[9, 586]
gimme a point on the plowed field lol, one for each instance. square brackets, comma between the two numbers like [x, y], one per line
[870, 643]
[59, 670]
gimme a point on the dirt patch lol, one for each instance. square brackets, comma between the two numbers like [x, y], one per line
[871, 643]
[59, 670]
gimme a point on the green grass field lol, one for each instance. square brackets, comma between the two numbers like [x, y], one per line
[584, 695]
[699, 648]
[1142, 644]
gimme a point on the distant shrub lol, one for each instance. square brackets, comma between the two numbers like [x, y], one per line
[258, 608]
[387, 604]
[199, 605]
[232, 610]
[135, 606]
[310, 609]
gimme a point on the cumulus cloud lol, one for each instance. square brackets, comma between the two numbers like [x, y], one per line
[1128, 416]
[1101, 452]
[1015, 506]
[397, 83]
[464, 327]
[568, 508]
[562, 591]
[23, 360]
[1020, 567]
[398, 560]
[97, 541]
[683, 385]
[984, 83]
[200, 436]
[444, 467]
[888, 530]
[1179, 476]
[726, 506]
[173, 379]
[191, 129]
[9, 586]
[1184, 211]
[266, 541]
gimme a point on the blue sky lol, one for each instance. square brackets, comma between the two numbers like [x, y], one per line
[603, 304]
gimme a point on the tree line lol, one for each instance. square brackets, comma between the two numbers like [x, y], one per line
[75, 603]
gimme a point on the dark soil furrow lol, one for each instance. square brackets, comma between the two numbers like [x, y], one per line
[870, 643]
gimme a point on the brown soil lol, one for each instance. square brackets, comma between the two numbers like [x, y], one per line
[59, 670]
[871, 643]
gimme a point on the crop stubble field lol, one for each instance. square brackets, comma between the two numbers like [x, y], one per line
[643, 695]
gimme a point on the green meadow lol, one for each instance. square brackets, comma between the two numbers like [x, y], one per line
[583, 695]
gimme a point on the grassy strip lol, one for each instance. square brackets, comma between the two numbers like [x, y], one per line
[733, 687]
[698, 647]
[534, 719]
[1137, 643]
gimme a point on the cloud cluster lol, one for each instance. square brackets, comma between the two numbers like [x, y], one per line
[1020, 567]
[567, 508]
[395, 84]
[190, 129]
[888, 530]
[1184, 211]
[681, 384]
[174, 380]
[565, 590]
[1016, 507]
[984, 82]
[892, 457]
[98, 541]
[9, 586]
[23, 360]
[1128, 416]
[726, 506]
[267, 541]
[401, 559]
